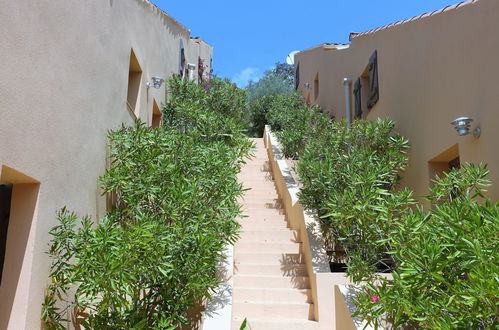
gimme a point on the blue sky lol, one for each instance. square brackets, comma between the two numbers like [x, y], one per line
[250, 36]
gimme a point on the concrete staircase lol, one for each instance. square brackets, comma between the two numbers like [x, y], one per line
[271, 287]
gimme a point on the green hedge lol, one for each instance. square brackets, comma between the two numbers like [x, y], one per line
[448, 273]
[293, 122]
[158, 251]
[444, 260]
[349, 179]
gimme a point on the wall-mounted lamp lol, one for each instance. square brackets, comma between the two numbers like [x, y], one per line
[463, 125]
[307, 85]
[155, 82]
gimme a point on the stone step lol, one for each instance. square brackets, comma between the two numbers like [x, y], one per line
[259, 226]
[271, 281]
[275, 324]
[251, 247]
[264, 218]
[264, 295]
[256, 211]
[271, 269]
[263, 204]
[268, 258]
[275, 310]
[274, 236]
[257, 196]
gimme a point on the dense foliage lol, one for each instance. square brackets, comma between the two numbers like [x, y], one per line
[443, 261]
[293, 122]
[349, 178]
[278, 80]
[157, 252]
[448, 274]
[275, 82]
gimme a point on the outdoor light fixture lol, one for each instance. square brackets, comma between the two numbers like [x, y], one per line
[307, 85]
[463, 125]
[156, 82]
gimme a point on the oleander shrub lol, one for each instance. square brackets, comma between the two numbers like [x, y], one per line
[258, 114]
[158, 251]
[215, 109]
[294, 122]
[349, 178]
[448, 272]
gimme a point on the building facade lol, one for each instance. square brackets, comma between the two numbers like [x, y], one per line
[423, 73]
[72, 70]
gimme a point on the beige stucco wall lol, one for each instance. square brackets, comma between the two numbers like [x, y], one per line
[63, 86]
[431, 71]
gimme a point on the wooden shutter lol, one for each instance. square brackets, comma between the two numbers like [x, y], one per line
[297, 76]
[200, 69]
[357, 98]
[182, 59]
[373, 80]
[5, 197]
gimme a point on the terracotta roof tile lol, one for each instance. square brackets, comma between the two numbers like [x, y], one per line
[354, 35]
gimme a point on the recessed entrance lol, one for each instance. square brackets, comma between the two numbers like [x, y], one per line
[134, 79]
[444, 162]
[156, 115]
[18, 199]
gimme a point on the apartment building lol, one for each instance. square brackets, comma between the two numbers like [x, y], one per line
[423, 72]
[71, 71]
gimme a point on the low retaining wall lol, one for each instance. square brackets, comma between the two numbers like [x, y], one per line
[329, 290]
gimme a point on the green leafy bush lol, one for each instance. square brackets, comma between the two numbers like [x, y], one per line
[279, 80]
[349, 179]
[157, 252]
[447, 278]
[293, 122]
[216, 110]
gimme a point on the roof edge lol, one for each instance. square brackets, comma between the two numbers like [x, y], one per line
[168, 16]
[461, 4]
[327, 46]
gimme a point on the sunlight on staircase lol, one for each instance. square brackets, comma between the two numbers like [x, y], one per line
[271, 285]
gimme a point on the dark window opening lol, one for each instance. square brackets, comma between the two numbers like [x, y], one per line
[357, 95]
[182, 60]
[373, 80]
[455, 164]
[5, 201]
[445, 162]
[200, 69]
[297, 76]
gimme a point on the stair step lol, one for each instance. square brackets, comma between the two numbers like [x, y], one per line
[271, 236]
[271, 247]
[255, 223]
[247, 211]
[275, 324]
[259, 226]
[278, 258]
[278, 295]
[275, 310]
[269, 204]
[270, 281]
[270, 269]
[264, 218]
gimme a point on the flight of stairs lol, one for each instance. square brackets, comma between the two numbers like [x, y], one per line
[271, 287]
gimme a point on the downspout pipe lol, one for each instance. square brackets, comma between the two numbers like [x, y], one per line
[347, 85]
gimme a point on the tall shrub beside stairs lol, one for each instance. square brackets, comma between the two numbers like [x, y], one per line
[349, 177]
[448, 273]
[156, 253]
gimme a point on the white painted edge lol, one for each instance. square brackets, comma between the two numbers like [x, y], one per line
[218, 312]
